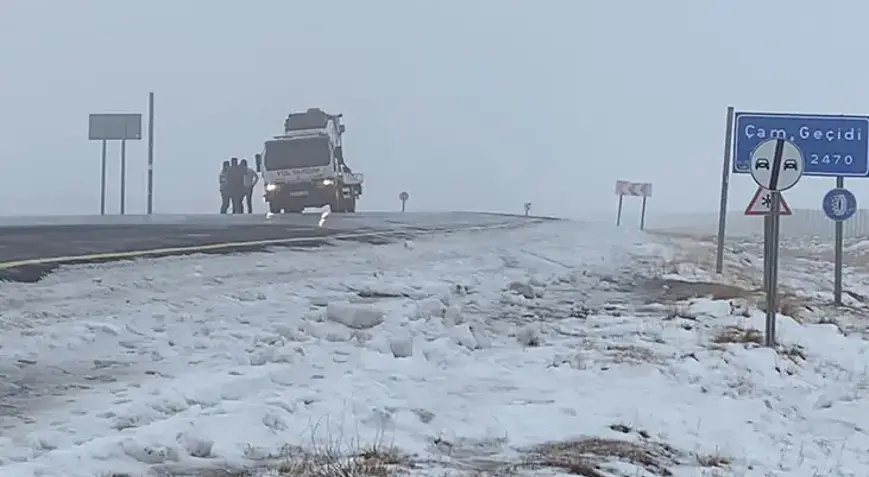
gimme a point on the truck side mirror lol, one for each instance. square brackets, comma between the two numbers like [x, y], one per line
[258, 158]
[342, 129]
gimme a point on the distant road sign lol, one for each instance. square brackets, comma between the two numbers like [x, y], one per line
[831, 145]
[839, 204]
[761, 204]
[403, 196]
[640, 189]
[776, 164]
[115, 127]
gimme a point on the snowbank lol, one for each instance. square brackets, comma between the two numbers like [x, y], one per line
[461, 352]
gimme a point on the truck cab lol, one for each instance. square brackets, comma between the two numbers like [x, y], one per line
[305, 167]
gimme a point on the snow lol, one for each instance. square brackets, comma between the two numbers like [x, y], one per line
[463, 351]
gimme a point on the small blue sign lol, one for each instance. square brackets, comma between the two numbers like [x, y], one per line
[840, 204]
[831, 145]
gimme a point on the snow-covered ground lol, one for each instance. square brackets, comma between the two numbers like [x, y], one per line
[447, 356]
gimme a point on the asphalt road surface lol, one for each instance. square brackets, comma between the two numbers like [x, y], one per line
[30, 248]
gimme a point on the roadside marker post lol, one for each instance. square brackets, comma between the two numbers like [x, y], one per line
[839, 205]
[635, 189]
[776, 165]
[121, 127]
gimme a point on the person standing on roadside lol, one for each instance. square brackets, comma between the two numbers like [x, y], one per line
[224, 187]
[235, 183]
[250, 180]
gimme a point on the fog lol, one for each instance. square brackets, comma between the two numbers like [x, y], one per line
[472, 105]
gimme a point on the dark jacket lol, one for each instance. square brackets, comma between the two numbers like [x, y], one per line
[223, 180]
[235, 179]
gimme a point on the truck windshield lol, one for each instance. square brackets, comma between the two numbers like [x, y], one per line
[296, 153]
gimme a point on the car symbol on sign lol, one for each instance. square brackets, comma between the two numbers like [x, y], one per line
[762, 164]
[791, 164]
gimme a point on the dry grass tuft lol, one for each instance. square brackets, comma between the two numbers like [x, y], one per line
[713, 460]
[792, 307]
[793, 352]
[370, 461]
[630, 353]
[586, 457]
[735, 334]
[324, 461]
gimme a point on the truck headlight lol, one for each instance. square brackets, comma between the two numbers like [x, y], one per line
[271, 187]
[328, 181]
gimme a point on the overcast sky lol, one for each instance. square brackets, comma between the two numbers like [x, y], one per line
[466, 104]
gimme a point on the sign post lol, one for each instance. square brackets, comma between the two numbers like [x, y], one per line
[761, 204]
[527, 208]
[150, 208]
[839, 205]
[635, 189]
[403, 197]
[776, 165]
[831, 145]
[619, 213]
[725, 189]
[114, 127]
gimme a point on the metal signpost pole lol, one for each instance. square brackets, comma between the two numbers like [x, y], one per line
[838, 249]
[643, 214]
[114, 127]
[767, 235]
[725, 186]
[123, 176]
[776, 165]
[772, 270]
[103, 180]
[839, 205]
[150, 153]
[619, 213]
[403, 196]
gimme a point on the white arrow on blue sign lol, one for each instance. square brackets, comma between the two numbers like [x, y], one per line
[840, 204]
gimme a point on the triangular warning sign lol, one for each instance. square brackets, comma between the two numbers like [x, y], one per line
[761, 204]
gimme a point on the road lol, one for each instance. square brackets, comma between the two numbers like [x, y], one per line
[32, 247]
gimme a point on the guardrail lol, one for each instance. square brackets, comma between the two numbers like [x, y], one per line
[803, 223]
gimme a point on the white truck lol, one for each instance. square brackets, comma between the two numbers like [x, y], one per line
[304, 167]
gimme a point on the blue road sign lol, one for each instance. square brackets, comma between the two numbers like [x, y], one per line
[840, 204]
[831, 145]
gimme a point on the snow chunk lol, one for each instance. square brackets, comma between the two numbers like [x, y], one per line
[528, 336]
[149, 454]
[401, 347]
[453, 316]
[524, 289]
[482, 340]
[430, 307]
[464, 336]
[355, 316]
[195, 445]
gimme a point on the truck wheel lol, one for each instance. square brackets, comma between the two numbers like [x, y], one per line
[336, 204]
[350, 205]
